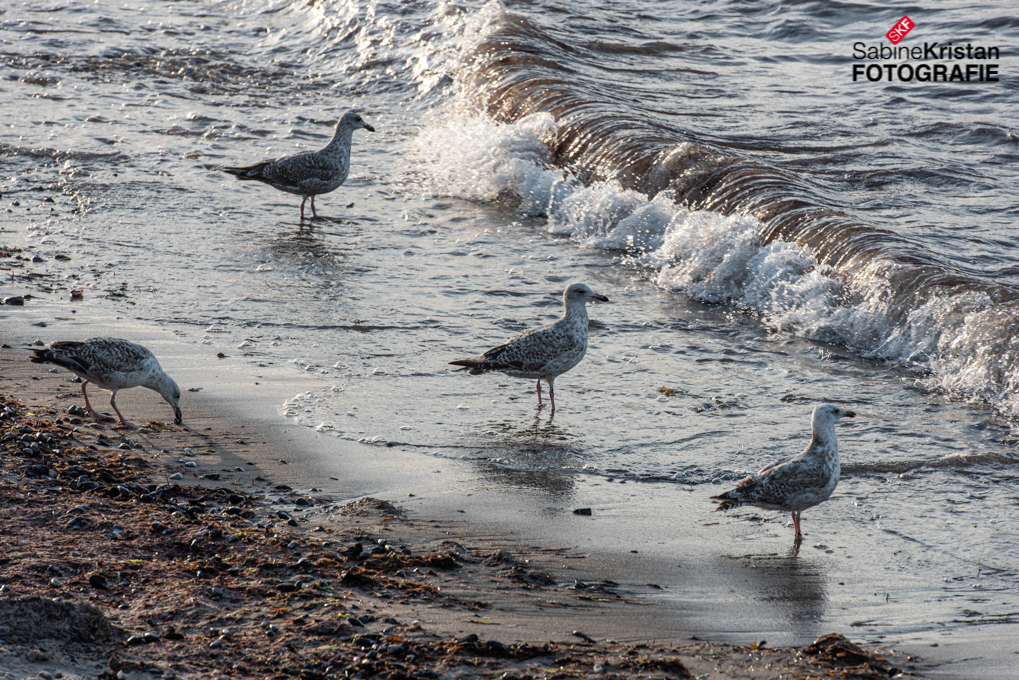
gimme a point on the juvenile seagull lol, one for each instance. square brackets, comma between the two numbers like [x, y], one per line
[112, 364]
[310, 173]
[799, 482]
[542, 353]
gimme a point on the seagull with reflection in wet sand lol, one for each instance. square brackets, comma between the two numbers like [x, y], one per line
[799, 482]
[310, 173]
[543, 353]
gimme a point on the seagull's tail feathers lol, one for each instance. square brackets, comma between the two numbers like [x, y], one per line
[734, 498]
[728, 503]
[489, 361]
[247, 172]
[472, 366]
[54, 354]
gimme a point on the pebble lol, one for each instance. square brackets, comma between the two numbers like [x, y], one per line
[147, 638]
[176, 475]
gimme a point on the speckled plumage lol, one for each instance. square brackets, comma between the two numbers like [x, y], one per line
[543, 353]
[310, 173]
[112, 364]
[799, 482]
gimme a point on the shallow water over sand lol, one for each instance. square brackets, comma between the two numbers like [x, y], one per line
[462, 232]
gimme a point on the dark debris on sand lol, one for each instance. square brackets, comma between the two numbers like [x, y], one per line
[122, 573]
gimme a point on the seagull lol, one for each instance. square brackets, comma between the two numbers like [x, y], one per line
[310, 173]
[112, 364]
[799, 482]
[542, 353]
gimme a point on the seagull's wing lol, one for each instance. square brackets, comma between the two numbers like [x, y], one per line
[63, 354]
[529, 351]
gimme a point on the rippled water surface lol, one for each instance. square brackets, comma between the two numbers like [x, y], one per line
[770, 235]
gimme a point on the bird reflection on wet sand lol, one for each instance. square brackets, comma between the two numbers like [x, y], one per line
[538, 445]
[792, 585]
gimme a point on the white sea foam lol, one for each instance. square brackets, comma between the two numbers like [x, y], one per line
[960, 343]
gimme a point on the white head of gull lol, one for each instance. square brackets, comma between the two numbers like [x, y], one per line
[112, 364]
[799, 482]
[310, 173]
[543, 353]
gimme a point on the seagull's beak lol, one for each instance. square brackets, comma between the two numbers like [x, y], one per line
[179, 417]
[601, 298]
[850, 414]
[369, 128]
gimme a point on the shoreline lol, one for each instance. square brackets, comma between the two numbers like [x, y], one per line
[547, 591]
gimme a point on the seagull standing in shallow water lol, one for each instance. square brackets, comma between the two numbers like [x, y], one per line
[799, 482]
[543, 353]
[112, 364]
[310, 173]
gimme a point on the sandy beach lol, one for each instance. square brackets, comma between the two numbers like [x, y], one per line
[535, 607]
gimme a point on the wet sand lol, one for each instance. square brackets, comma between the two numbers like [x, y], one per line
[772, 591]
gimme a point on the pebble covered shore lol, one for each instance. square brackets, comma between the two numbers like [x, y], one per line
[112, 572]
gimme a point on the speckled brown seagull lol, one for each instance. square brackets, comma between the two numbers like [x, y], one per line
[799, 482]
[542, 353]
[112, 364]
[310, 173]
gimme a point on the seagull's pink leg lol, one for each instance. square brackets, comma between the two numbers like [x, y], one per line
[551, 395]
[796, 523]
[88, 406]
[314, 215]
[303, 199]
[113, 403]
[539, 393]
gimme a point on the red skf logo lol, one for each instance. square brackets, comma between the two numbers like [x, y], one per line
[900, 30]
